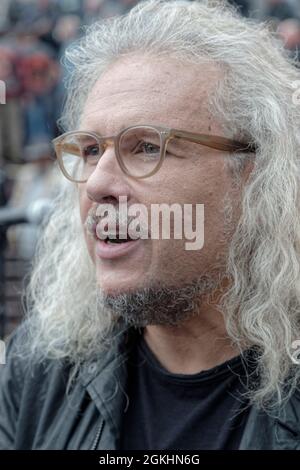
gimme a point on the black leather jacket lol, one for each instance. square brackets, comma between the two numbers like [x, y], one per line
[37, 413]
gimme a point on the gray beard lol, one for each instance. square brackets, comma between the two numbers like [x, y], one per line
[160, 305]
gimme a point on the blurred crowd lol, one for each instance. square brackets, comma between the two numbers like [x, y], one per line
[33, 37]
[284, 15]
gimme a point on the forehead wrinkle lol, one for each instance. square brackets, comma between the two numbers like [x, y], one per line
[120, 117]
[171, 113]
[119, 114]
[95, 126]
[132, 98]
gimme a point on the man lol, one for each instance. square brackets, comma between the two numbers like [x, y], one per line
[135, 341]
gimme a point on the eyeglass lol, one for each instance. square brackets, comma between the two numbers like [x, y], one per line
[140, 150]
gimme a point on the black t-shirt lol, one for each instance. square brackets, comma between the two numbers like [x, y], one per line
[183, 412]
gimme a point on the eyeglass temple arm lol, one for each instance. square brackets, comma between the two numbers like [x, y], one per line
[69, 148]
[216, 142]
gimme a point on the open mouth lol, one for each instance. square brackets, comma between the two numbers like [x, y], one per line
[116, 240]
[114, 245]
[116, 237]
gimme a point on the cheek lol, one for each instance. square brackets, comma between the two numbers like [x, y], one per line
[213, 190]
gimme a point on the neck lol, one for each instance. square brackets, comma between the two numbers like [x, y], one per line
[199, 343]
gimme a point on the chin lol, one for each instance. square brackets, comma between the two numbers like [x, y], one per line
[116, 286]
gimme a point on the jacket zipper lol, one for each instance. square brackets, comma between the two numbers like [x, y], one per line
[98, 436]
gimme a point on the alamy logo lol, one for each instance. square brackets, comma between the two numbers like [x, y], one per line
[2, 92]
[2, 352]
[159, 221]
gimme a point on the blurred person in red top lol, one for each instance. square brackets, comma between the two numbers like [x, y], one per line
[38, 72]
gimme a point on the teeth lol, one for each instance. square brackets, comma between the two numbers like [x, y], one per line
[116, 240]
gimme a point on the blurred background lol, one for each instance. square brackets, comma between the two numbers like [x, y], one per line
[33, 37]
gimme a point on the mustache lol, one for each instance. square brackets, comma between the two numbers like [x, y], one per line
[112, 216]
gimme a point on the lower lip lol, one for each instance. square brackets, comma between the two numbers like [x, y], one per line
[112, 251]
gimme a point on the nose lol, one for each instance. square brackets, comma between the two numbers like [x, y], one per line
[107, 180]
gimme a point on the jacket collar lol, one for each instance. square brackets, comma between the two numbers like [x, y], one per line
[281, 430]
[106, 379]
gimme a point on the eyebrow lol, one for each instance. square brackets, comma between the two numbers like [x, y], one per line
[96, 129]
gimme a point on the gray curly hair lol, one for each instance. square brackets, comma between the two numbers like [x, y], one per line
[255, 101]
